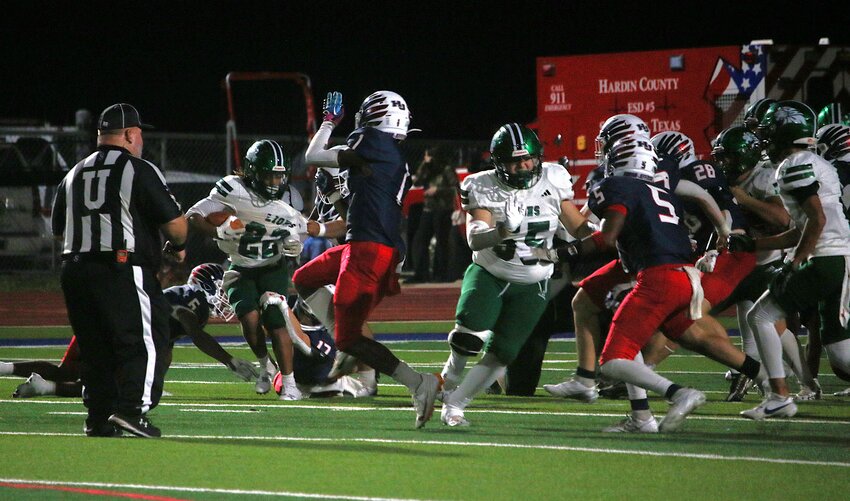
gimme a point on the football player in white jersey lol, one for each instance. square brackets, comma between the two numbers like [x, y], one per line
[752, 179]
[513, 212]
[819, 273]
[270, 229]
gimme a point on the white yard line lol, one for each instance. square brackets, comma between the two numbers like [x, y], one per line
[283, 406]
[174, 488]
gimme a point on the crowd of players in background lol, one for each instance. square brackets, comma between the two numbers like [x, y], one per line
[760, 227]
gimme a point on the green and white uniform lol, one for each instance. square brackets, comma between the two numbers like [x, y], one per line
[258, 253]
[823, 280]
[505, 289]
[760, 184]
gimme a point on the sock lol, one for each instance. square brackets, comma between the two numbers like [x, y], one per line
[671, 391]
[453, 369]
[368, 378]
[750, 367]
[761, 319]
[748, 339]
[407, 376]
[6, 368]
[478, 379]
[288, 380]
[586, 377]
[264, 364]
[793, 353]
[635, 373]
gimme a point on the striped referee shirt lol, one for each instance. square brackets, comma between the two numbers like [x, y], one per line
[113, 201]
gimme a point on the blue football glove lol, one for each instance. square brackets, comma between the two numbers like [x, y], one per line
[332, 109]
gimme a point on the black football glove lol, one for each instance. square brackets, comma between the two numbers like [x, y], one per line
[739, 242]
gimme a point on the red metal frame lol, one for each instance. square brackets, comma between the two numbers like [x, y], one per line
[300, 79]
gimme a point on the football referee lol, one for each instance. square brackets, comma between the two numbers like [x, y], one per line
[108, 212]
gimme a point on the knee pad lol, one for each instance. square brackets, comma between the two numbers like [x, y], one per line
[467, 342]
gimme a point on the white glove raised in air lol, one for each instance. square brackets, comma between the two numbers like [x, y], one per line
[706, 263]
[244, 369]
[226, 231]
[514, 213]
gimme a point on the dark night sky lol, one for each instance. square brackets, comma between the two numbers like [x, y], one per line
[464, 67]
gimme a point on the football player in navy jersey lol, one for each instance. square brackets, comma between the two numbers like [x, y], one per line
[642, 220]
[364, 268]
[589, 301]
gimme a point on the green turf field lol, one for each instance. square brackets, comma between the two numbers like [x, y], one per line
[222, 441]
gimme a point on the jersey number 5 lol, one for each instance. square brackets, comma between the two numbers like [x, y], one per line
[670, 216]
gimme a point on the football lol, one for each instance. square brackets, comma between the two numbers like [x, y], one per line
[217, 218]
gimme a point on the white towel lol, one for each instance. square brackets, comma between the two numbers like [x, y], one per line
[844, 305]
[697, 295]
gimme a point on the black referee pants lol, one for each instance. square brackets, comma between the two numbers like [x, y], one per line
[120, 318]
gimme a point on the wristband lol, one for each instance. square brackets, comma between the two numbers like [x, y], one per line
[322, 230]
[178, 248]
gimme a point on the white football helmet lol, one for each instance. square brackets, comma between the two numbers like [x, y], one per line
[833, 142]
[386, 111]
[675, 145]
[631, 157]
[617, 127]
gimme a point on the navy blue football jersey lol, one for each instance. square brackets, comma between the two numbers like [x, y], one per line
[374, 212]
[667, 173]
[712, 180]
[652, 234]
[314, 369]
[186, 297]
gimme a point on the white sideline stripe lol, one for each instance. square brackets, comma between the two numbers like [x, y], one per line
[564, 448]
[198, 489]
[351, 408]
[69, 413]
[228, 411]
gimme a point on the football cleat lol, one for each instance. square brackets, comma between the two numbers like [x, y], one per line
[263, 384]
[739, 385]
[424, 397]
[634, 425]
[772, 407]
[291, 394]
[571, 388]
[614, 391]
[809, 393]
[843, 393]
[137, 425]
[34, 386]
[452, 416]
[684, 402]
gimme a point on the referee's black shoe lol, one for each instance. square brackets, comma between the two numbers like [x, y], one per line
[137, 425]
[102, 429]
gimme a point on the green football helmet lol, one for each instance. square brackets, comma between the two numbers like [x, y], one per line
[755, 112]
[787, 124]
[736, 151]
[265, 159]
[513, 142]
[831, 114]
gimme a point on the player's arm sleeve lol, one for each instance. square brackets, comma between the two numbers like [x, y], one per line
[691, 190]
[318, 152]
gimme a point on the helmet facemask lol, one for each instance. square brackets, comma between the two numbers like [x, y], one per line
[208, 277]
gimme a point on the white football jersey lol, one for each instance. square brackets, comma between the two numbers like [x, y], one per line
[268, 222]
[760, 184]
[512, 260]
[802, 169]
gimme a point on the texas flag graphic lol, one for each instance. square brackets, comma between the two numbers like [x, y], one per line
[728, 78]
